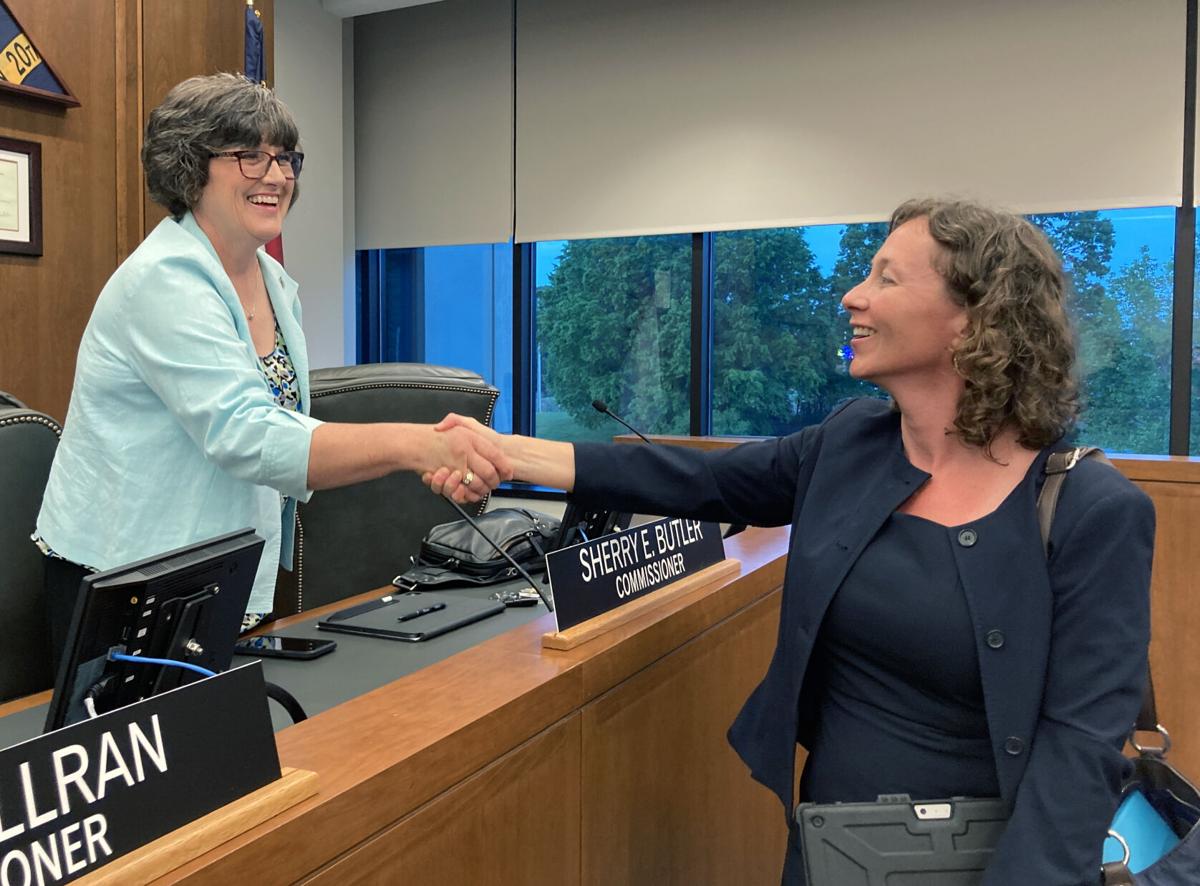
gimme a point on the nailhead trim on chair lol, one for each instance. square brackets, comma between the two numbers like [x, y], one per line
[33, 419]
[460, 389]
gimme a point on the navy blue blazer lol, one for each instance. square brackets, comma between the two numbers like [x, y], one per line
[1061, 638]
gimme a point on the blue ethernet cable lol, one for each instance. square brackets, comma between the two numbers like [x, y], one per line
[139, 659]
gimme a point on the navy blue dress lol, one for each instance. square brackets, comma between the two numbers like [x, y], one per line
[902, 700]
[900, 707]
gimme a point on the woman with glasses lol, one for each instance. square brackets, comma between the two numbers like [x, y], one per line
[189, 412]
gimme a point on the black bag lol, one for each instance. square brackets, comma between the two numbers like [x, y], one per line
[1170, 795]
[454, 553]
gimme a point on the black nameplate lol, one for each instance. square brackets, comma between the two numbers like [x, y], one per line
[596, 576]
[76, 798]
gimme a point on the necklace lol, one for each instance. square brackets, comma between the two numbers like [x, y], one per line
[250, 312]
[256, 289]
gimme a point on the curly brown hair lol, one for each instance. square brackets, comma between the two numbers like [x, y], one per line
[1017, 355]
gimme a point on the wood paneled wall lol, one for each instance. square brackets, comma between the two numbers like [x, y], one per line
[207, 37]
[119, 58]
[1173, 484]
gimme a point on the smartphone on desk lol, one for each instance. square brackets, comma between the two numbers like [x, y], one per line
[276, 646]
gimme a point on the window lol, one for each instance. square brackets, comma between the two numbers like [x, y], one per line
[448, 305]
[1119, 265]
[612, 322]
[778, 328]
[779, 332]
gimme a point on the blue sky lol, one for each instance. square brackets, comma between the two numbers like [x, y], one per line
[1153, 226]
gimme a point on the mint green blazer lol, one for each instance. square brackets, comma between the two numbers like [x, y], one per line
[172, 435]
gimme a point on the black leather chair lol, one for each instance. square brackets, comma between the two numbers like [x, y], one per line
[27, 443]
[359, 537]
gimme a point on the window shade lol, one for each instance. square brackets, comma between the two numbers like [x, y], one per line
[433, 125]
[658, 116]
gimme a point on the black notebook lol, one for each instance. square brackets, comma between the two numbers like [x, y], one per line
[410, 617]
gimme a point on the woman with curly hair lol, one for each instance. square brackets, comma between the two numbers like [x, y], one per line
[189, 412]
[929, 644]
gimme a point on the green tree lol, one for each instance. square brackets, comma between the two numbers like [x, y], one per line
[1122, 322]
[856, 250]
[1126, 406]
[614, 323]
[774, 345]
[780, 360]
[1085, 243]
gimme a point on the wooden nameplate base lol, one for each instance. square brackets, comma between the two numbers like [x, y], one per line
[177, 848]
[602, 624]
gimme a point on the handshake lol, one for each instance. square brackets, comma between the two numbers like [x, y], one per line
[466, 459]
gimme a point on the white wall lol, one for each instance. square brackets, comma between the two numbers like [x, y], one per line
[314, 56]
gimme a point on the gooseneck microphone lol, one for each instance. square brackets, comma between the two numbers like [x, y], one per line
[602, 407]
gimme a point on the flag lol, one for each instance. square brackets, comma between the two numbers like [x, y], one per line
[254, 44]
[20, 62]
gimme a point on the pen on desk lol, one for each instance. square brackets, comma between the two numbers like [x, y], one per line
[436, 607]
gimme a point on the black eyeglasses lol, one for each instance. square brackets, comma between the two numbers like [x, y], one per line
[254, 164]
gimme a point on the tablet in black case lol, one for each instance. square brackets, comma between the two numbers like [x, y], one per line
[381, 617]
[898, 842]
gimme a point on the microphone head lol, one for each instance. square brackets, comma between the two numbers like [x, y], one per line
[600, 406]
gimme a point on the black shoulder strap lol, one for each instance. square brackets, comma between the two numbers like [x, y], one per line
[1147, 720]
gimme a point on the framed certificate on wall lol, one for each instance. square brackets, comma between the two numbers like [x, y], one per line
[20, 196]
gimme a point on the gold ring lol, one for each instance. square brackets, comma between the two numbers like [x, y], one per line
[468, 478]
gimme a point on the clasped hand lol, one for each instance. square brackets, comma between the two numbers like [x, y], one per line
[467, 461]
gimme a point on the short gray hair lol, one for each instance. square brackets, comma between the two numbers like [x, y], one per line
[204, 115]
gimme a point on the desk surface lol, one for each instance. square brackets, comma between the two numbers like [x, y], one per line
[358, 665]
[406, 742]
[385, 754]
